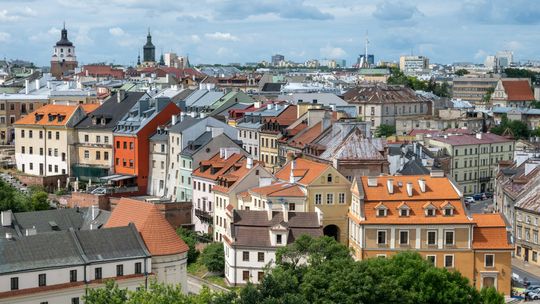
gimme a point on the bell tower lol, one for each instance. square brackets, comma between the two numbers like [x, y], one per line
[63, 59]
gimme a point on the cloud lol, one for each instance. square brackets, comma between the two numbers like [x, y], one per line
[480, 54]
[502, 11]
[6, 17]
[4, 37]
[195, 38]
[392, 10]
[116, 31]
[332, 52]
[221, 36]
[285, 9]
[513, 45]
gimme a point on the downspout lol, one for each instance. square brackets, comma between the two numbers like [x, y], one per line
[145, 273]
[235, 269]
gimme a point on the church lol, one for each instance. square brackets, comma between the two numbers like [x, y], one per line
[149, 54]
[63, 60]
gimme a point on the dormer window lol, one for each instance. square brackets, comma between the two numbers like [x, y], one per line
[94, 120]
[382, 210]
[103, 121]
[429, 209]
[448, 209]
[404, 210]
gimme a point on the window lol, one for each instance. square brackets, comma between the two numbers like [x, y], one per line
[22, 150]
[86, 154]
[119, 270]
[106, 139]
[31, 150]
[489, 260]
[73, 275]
[430, 212]
[341, 198]
[330, 198]
[260, 276]
[404, 237]
[449, 261]
[40, 151]
[138, 268]
[105, 155]
[245, 256]
[42, 279]
[86, 138]
[278, 239]
[292, 206]
[381, 237]
[260, 256]
[75, 300]
[329, 178]
[22, 133]
[15, 283]
[449, 238]
[318, 198]
[117, 144]
[404, 212]
[448, 211]
[97, 273]
[30, 134]
[381, 212]
[98, 138]
[245, 275]
[57, 135]
[131, 145]
[432, 259]
[432, 237]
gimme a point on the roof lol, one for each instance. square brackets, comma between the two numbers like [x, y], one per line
[272, 87]
[198, 143]
[352, 146]
[306, 170]
[158, 235]
[306, 136]
[111, 110]
[280, 189]
[383, 93]
[465, 139]
[285, 117]
[518, 90]
[489, 220]
[414, 167]
[217, 166]
[490, 232]
[49, 115]
[319, 98]
[89, 107]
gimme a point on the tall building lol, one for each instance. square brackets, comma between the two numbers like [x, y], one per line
[363, 62]
[149, 51]
[504, 59]
[63, 59]
[412, 64]
[277, 58]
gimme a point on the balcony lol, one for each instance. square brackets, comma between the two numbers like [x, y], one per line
[204, 216]
[484, 179]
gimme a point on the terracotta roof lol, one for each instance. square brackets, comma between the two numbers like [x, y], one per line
[158, 235]
[240, 171]
[491, 238]
[307, 136]
[465, 139]
[223, 166]
[286, 117]
[489, 220]
[44, 112]
[280, 189]
[518, 90]
[437, 188]
[307, 170]
[89, 107]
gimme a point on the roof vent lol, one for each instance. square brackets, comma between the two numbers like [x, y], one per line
[409, 189]
[390, 185]
[54, 226]
[372, 182]
[422, 184]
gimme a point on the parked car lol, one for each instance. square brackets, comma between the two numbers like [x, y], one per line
[99, 190]
[532, 294]
[469, 200]
[479, 196]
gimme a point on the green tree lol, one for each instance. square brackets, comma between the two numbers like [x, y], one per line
[461, 72]
[213, 257]
[110, 294]
[385, 130]
[487, 96]
[491, 296]
[522, 73]
[39, 201]
[190, 238]
[517, 127]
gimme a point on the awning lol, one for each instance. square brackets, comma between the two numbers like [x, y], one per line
[116, 177]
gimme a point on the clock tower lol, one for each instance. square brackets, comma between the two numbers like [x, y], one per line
[63, 59]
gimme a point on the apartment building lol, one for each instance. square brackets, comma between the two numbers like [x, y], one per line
[390, 214]
[382, 104]
[14, 107]
[526, 225]
[411, 65]
[253, 237]
[291, 194]
[159, 160]
[473, 89]
[94, 153]
[474, 158]
[270, 133]
[45, 140]
[325, 188]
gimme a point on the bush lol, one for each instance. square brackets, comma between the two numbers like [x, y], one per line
[190, 238]
[213, 257]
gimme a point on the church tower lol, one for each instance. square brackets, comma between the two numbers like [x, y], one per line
[149, 51]
[63, 59]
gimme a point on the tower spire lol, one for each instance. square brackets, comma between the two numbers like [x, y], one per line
[64, 25]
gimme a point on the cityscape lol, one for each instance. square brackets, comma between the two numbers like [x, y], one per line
[269, 152]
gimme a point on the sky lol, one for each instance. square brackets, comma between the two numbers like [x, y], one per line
[225, 31]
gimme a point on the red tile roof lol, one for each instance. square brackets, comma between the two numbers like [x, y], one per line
[158, 235]
[51, 109]
[281, 189]
[307, 136]
[463, 139]
[518, 90]
[491, 238]
[306, 170]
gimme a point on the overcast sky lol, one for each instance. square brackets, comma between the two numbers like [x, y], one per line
[223, 31]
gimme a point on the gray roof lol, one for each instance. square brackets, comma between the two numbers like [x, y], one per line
[414, 167]
[160, 135]
[197, 144]
[112, 243]
[184, 124]
[322, 98]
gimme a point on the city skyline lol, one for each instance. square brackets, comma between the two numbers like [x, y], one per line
[240, 31]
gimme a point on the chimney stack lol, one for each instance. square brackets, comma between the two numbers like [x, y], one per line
[478, 135]
[37, 84]
[120, 95]
[422, 184]
[26, 86]
[94, 211]
[173, 120]
[285, 209]
[372, 181]
[390, 185]
[269, 209]
[6, 218]
[249, 163]
[293, 166]
[409, 189]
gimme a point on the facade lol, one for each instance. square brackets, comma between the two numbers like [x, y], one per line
[45, 140]
[413, 64]
[270, 133]
[447, 119]
[474, 158]
[132, 140]
[516, 93]
[253, 237]
[14, 107]
[63, 59]
[382, 104]
[94, 146]
[159, 159]
[326, 189]
[527, 212]
[390, 214]
[473, 89]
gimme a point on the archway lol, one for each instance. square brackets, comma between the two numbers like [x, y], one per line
[332, 231]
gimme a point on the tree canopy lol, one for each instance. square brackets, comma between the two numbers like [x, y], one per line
[461, 72]
[213, 257]
[397, 77]
[16, 201]
[190, 238]
[385, 130]
[517, 127]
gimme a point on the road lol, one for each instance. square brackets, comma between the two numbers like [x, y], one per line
[195, 285]
[480, 206]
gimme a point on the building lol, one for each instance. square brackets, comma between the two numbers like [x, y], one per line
[45, 142]
[94, 153]
[269, 134]
[530, 116]
[382, 104]
[325, 189]
[473, 89]
[168, 250]
[516, 93]
[413, 64]
[149, 52]
[374, 75]
[390, 214]
[132, 141]
[527, 211]
[473, 158]
[251, 241]
[63, 60]
[446, 119]
[175, 61]
[159, 160]
[504, 59]
[276, 59]
[14, 107]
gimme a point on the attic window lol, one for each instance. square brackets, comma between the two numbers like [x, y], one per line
[94, 120]
[51, 117]
[60, 118]
[430, 211]
[103, 121]
[382, 210]
[448, 209]
[329, 178]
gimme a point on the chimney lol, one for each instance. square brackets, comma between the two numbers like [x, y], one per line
[291, 177]
[182, 116]
[120, 95]
[48, 84]
[372, 181]
[26, 86]
[285, 210]
[249, 163]
[30, 231]
[94, 211]
[202, 115]
[422, 184]
[173, 120]
[6, 218]
[436, 173]
[269, 209]
[221, 152]
[193, 114]
[9, 235]
[269, 106]
[257, 104]
[478, 135]
[409, 189]
[390, 185]
[37, 84]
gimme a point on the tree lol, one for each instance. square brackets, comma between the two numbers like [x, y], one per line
[385, 130]
[487, 96]
[517, 127]
[39, 201]
[190, 238]
[110, 294]
[491, 296]
[213, 257]
[461, 72]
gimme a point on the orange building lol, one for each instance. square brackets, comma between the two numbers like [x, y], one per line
[131, 141]
[389, 214]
